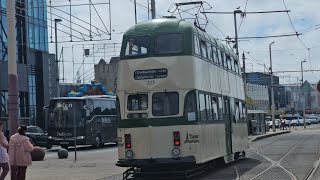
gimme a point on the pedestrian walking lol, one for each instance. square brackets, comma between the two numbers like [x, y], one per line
[19, 154]
[4, 157]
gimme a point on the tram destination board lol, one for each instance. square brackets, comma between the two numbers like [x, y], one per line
[150, 74]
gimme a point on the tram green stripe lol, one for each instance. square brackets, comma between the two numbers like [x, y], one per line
[170, 121]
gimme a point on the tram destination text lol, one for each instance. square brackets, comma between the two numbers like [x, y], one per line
[150, 74]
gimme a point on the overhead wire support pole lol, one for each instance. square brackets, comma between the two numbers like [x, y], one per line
[153, 9]
[135, 11]
[70, 23]
[90, 20]
[272, 92]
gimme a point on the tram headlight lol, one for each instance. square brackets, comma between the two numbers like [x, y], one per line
[50, 137]
[176, 151]
[129, 154]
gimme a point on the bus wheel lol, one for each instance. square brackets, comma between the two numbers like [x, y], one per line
[97, 141]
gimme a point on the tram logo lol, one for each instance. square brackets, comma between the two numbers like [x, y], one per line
[191, 138]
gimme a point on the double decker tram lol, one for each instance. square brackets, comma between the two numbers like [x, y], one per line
[181, 98]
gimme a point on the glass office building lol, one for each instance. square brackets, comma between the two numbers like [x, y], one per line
[33, 61]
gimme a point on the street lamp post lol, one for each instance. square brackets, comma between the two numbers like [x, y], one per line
[303, 101]
[56, 21]
[272, 92]
[13, 85]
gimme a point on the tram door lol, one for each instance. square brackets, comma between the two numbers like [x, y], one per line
[228, 124]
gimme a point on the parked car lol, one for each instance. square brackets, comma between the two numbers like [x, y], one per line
[313, 119]
[38, 137]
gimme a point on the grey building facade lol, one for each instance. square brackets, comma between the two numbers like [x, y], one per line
[106, 73]
[36, 67]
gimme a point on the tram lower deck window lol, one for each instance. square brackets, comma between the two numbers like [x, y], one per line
[165, 104]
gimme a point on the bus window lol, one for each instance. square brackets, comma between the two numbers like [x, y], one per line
[202, 106]
[137, 102]
[190, 107]
[165, 103]
[203, 48]
[196, 45]
[137, 46]
[168, 43]
[214, 108]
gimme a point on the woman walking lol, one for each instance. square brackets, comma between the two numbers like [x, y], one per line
[19, 154]
[4, 158]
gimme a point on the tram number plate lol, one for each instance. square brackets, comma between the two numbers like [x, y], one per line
[150, 74]
[149, 83]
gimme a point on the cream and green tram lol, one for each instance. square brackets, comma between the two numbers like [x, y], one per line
[180, 95]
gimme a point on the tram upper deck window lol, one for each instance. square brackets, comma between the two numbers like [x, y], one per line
[168, 43]
[137, 102]
[165, 103]
[138, 46]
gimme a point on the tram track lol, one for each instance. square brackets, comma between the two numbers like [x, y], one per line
[277, 163]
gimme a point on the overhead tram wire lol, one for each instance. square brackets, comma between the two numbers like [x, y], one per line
[81, 39]
[285, 6]
[244, 12]
[304, 45]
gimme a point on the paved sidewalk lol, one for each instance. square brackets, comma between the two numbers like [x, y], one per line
[91, 165]
[268, 134]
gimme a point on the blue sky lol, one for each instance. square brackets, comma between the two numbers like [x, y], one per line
[287, 51]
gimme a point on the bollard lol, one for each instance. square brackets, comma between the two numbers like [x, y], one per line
[63, 153]
[37, 154]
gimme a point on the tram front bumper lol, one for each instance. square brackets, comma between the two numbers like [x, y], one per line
[148, 163]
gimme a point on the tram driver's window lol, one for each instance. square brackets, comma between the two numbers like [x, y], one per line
[138, 45]
[137, 102]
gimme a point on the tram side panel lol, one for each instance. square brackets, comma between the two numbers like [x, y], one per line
[212, 142]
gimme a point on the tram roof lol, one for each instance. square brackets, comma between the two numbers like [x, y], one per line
[172, 24]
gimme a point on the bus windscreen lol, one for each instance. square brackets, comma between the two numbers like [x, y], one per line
[62, 113]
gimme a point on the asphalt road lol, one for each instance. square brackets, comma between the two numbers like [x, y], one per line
[293, 156]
